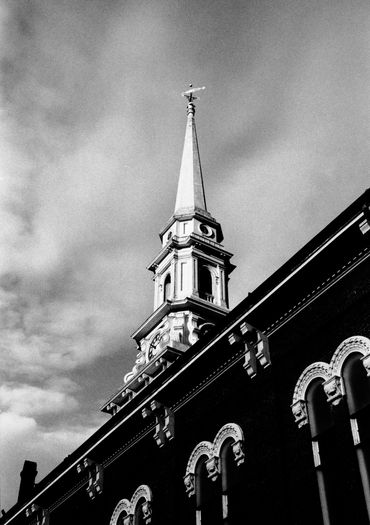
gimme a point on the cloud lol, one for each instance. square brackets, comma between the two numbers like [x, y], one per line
[21, 438]
[27, 400]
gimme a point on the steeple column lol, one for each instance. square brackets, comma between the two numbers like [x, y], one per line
[223, 287]
[195, 290]
[174, 264]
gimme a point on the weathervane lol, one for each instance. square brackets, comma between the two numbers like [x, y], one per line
[189, 94]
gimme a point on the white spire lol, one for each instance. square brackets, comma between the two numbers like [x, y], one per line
[190, 191]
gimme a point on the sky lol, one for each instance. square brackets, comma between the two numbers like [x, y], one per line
[91, 134]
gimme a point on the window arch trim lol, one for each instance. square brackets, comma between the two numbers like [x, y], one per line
[229, 431]
[212, 453]
[204, 448]
[143, 491]
[318, 370]
[122, 506]
[349, 346]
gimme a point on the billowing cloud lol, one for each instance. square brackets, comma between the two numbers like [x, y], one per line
[91, 132]
[26, 400]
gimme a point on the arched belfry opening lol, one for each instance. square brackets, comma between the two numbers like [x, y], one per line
[167, 288]
[205, 284]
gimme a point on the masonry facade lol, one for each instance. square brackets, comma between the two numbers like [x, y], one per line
[255, 415]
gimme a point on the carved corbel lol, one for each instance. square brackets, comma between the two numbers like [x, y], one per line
[40, 515]
[212, 466]
[262, 350]
[365, 224]
[189, 482]
[366, 362]
[334, 390]
[233, 338]
[238, 452]
[95, 473]
[250, 360]
[256, 347]
[165, 422]
[299, 410]
[147, 511]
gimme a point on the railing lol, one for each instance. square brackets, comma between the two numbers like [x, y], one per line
[207, 296]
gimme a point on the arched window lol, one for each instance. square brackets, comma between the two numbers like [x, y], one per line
[211, 475]
[318, 408]
[137, 511]
[208, 504]
[205, 284]
[232, 489]
[335, 400]
[167, 287]
[357, 384]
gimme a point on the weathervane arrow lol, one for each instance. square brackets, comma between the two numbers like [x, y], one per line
[189, 94]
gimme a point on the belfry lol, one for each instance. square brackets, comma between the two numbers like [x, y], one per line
[191, 270]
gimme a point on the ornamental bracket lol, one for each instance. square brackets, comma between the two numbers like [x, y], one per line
[95, 473]
[164, 419]
[256, 347]
[39, 515]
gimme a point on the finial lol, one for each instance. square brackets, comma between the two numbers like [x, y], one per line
[189, 94]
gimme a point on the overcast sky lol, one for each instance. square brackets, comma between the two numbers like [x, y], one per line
[91, 134]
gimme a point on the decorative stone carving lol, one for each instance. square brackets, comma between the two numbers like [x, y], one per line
[165, 422]
[365, 224]
[123, 506]
[38, 514]
[330, 374]
[213, 468]
[334, 390]
[256, 347]
[366, 363]
[262, 350]
[238, 450]
[95, 473]
[250, 360]
[229, 432]
[233, 338]
[139, 364]
[142, 492]
[353, 344]
[147, 511]
[189, 484]
[300, 413]
[320, 369]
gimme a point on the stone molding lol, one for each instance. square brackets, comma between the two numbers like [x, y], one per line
[230, 431]
[164, 421]
[353, 344]
[95, 476]
[129, 507]
[331, 374]
[256, 347]
[37, 514]
[122, 506]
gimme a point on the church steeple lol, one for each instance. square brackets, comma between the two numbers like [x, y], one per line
[192, 269]
[190, 191]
